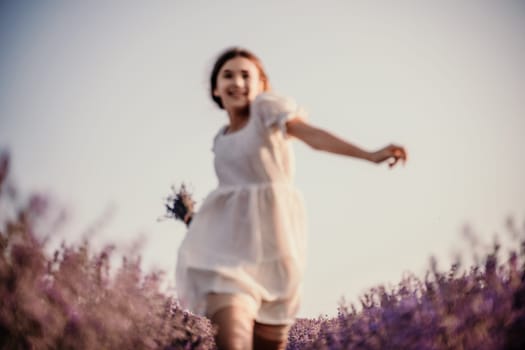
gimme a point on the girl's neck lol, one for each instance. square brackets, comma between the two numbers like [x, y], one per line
[238, 119]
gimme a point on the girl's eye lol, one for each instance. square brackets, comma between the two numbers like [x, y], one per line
[227, 75]
[245, 75]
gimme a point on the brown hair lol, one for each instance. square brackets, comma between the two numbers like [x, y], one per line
[227, 55]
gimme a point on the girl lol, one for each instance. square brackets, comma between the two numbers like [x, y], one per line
[242, 261]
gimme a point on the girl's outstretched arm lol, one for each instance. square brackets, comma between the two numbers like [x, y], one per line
[322, 140]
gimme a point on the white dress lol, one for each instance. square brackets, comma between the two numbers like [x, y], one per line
[249, 235]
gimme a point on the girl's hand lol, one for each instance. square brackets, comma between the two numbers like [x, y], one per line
[392, 153]
[179, 205]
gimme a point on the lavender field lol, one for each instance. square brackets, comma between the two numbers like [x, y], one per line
[72, 300]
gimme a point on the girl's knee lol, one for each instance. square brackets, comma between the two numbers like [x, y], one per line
[270, 336]
[234, 328]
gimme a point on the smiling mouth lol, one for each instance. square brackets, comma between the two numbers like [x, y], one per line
[237, 94]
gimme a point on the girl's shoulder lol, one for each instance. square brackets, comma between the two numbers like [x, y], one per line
[274, 109]
[218, 134]
[269, 105]
[273, 99]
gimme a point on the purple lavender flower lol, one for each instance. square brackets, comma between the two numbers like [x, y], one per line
[180, 205]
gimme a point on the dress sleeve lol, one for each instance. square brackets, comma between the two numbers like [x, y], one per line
[274, 110]
[220, 132]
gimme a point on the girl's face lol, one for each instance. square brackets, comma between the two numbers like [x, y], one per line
[238, 83]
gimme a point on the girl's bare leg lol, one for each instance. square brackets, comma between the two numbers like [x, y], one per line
[235, 328]
[269, 337]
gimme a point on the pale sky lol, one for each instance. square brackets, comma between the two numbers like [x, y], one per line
[105, 105]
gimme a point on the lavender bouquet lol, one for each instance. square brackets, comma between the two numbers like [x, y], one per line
[180, 205]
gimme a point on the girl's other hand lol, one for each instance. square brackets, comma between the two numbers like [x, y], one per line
[392, 153]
